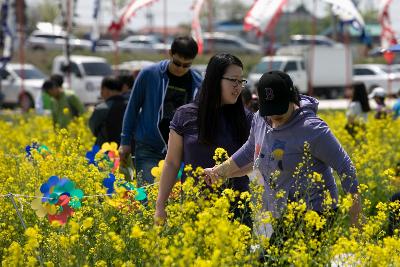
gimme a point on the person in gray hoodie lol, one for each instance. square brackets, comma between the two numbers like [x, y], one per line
[284, 126]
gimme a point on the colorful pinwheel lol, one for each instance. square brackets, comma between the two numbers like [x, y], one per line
[57, 198]
[41, 149]
[111, 183]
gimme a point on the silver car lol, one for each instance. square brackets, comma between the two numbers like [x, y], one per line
[40, 40]
[222, 42]
[143, 44]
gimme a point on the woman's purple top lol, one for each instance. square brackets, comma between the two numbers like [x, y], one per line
[198, 154]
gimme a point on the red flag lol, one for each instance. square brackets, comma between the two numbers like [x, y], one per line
[196, 27]
[389, 57]
[388, 35]
[127, 12]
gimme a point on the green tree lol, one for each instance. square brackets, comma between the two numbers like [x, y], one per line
[48, 10]
[234, 10]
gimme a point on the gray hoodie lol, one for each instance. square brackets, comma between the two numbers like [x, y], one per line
[277, 152]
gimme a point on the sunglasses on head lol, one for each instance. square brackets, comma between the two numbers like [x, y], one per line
[182, 65]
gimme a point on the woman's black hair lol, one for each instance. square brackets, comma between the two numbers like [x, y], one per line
[209, 102]
[360, 95]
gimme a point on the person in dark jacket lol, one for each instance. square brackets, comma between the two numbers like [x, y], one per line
[106, 120]
[127, 81]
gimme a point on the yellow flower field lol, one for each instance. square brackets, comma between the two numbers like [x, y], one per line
[118, 229]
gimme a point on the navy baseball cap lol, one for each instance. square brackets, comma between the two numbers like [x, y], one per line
[275, 90]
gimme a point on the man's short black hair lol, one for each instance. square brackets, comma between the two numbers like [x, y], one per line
[246, 96]
[184, 46]
[111, 83]
[127, 80]
[48, 85]
[57, 79]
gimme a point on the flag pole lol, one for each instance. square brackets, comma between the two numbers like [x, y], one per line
[165, 34]
[20, 12]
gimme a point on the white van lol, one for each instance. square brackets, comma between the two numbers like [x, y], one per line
[292, 65]
[86, 74]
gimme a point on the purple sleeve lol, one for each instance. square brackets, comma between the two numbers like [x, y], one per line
[245, 154]
[177, 122]
[327, 148]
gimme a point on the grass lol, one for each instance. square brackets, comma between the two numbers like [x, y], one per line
[44, 59]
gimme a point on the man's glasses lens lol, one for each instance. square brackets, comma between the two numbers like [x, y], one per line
[182, 65]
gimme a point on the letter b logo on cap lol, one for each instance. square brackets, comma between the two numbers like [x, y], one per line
[269, 94]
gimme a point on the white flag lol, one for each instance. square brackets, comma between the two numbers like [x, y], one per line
[263, 15]
[347, 11]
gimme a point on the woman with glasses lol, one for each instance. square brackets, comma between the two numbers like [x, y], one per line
[217, 118]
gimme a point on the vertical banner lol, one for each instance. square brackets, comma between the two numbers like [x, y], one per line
[388, 35]
[95, 34]
[263, 15]
[127, 12]
[7, 19]
[196, 26]
[347, 11]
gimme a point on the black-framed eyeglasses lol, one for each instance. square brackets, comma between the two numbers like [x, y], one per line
[180, 64]
[236, 82]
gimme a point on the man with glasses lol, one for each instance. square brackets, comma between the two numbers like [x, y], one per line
[158, 91]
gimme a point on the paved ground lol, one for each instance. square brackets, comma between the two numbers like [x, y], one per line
[343, 103]
[323, 104]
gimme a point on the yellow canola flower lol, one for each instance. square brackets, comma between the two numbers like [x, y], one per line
[156, 171]
[87, 223]
[313, 220]
[136, 232]
[220, 155]
[199, 229]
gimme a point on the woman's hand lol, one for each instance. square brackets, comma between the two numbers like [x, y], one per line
[160, 216]
[210, 176]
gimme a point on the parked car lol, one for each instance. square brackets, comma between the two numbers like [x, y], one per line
[86, 74]
[103, 45]
[222, 42]
[377, 75]
[143, 44]
[21, 84]
[200, 68]
[42, 40]
[131, 67]
[302, 39]
[395, 68]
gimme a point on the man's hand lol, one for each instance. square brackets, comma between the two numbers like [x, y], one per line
[124, 153]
